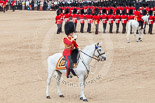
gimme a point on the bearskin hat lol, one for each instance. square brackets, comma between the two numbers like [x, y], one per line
[82, 11]
[58, 12]
[117, 11]
[74, 11]
[67, 11]
[124, 11]
[104, 11]
[131, 12]
[144, 12]
[96, 11]
[110, 11]
[89, 11]
[150, 12]
[137, 6]
[69, 28]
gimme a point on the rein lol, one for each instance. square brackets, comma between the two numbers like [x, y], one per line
[92, 58]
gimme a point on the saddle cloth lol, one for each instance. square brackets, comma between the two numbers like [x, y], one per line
[61, 64]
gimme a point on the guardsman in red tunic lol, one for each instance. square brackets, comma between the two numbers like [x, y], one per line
[70, 44]
[4, 6]
[58, 21]
[150, 21]
[117, 20]
[13, 5]
[89, 19]
[74, 18]
[138, 17]
[67, 15]
[111, 20]
[124, 20]
[130, 17]
[1, 2]
[104, 19]
[81, 17]
[96, 19]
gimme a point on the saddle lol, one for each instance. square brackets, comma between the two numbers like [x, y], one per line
[62, 62]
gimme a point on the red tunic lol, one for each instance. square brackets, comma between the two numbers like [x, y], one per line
[96, 18]
[66, 16]
[89, 18]
[124, 18]
[151, 19]
[130, 17]
[58, 19]
[13, 3]
[69, 46]
[117, 18]
[137, 16]
[81, 17]
[74, 18]
[104, 18]
[111, 19]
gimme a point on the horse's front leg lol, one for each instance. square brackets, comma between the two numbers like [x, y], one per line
[82, 85]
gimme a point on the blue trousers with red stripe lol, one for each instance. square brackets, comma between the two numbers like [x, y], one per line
[69, 64]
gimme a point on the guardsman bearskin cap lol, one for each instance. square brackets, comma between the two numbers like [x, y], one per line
[89, 11]
[69, 28]
[150, 12]
[58, 12]
[67, 11]
[131, 12]
[110, 11]
[74, 11]
[104, 11]
[96, 11]
[124, 12]
[82, 11]
[144, 12]
[137, 6]
[117, 11]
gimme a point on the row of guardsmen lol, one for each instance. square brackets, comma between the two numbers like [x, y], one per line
[4, 5]
[94, 17]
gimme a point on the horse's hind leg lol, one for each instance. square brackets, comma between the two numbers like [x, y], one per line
[135, 35]
[50, 73]
[141, 34]
[58, 83]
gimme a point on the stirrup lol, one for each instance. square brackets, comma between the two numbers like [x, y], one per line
[75, 65]
[69, 76]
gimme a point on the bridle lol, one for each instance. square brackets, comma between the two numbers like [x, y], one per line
[94, 56]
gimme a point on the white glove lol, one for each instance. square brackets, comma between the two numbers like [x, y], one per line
[75, 36]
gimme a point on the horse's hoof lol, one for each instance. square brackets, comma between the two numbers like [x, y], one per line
[81, 98]
[61, 96]
[85, 100]
[48, 97]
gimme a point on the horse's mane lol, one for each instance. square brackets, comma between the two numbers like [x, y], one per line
[86, 48]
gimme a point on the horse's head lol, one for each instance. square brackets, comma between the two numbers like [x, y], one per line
[99, 52]
[146, 19]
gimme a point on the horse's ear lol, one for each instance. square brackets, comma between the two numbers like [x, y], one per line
[99, 44]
